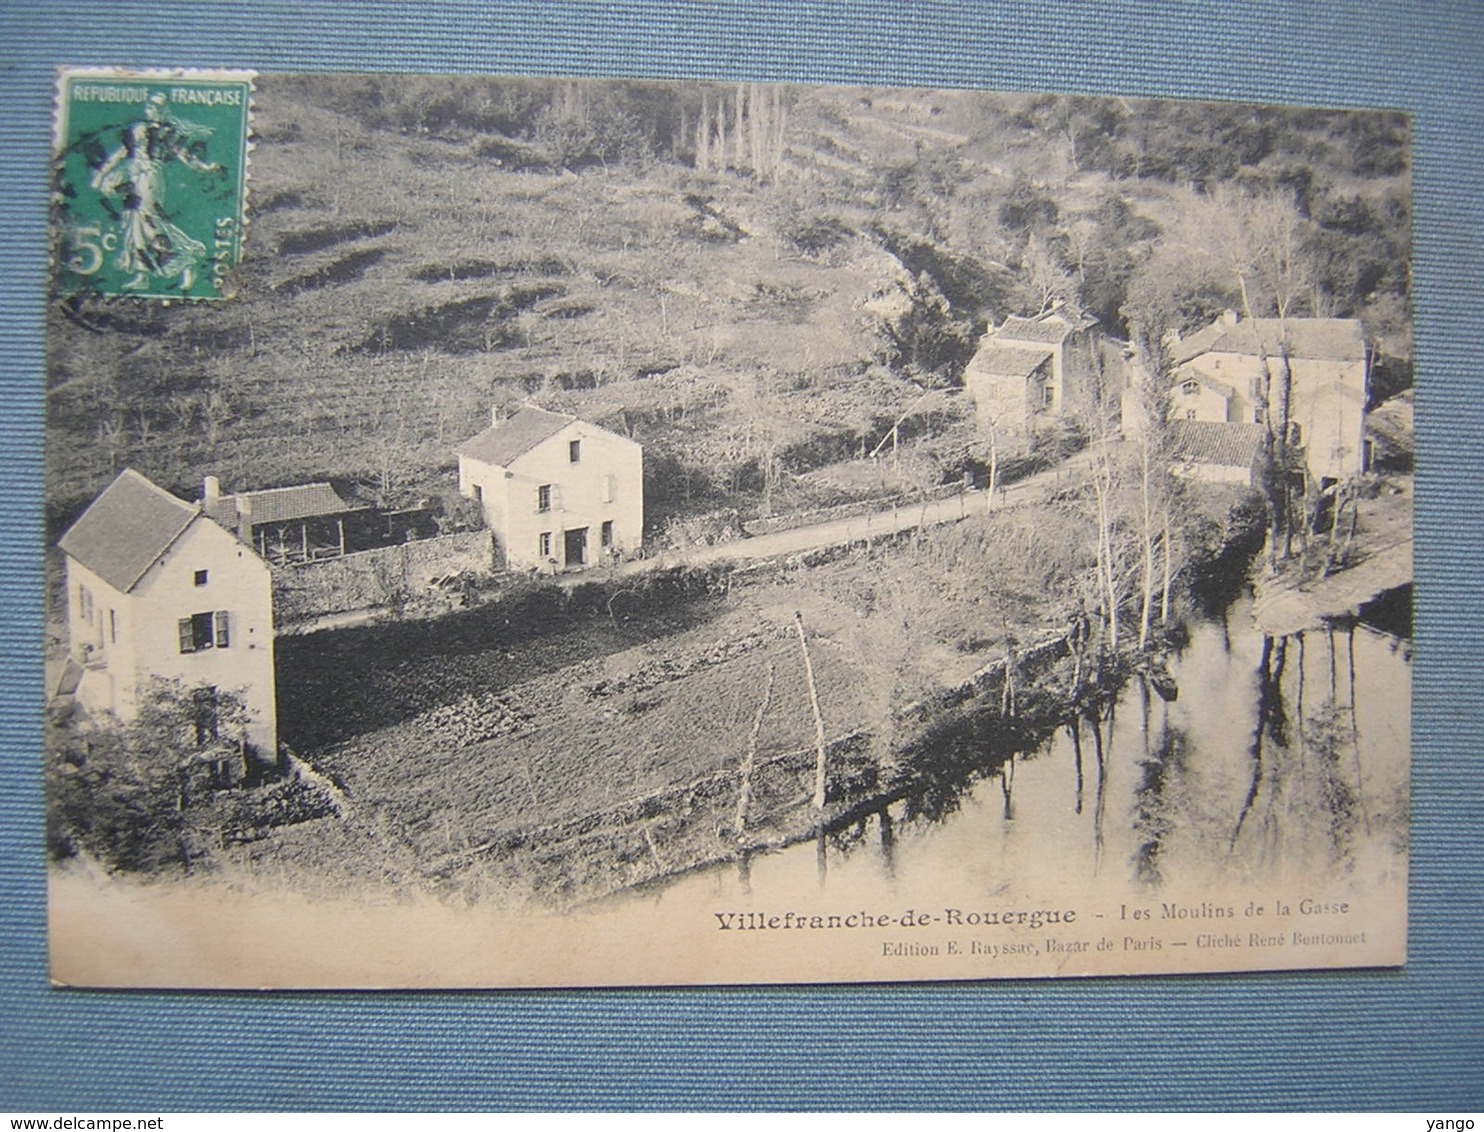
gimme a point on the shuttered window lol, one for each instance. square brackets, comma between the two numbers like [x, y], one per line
[205, 630]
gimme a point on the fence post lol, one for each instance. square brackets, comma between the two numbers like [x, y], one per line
[818, 718]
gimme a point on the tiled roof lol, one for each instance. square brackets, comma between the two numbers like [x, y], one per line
[500, 444]
[277, 504]
[1391, 423]
[1008, 361]
[1327, 339]
[1223, 443]
[1194, 345]
[126, 529]
[1050, 330]
[1195, 373]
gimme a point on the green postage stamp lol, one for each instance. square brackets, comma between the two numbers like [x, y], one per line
[150, 177]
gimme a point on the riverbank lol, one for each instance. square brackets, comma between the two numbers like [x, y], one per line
[1378, 560]
[1146, 803]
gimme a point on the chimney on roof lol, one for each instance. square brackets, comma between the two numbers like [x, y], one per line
[1228, 318]
[211, 489]
[496, 417]
[244, 518]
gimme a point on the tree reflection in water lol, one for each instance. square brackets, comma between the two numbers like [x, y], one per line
[1280, 756]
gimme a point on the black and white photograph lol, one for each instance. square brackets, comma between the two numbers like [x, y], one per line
[510, 532]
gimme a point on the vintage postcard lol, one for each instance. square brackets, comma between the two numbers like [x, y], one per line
[512, 532]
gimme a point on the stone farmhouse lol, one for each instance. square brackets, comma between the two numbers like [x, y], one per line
[155, 588]
[1032, 370]
[558, 492]
[1219, 377]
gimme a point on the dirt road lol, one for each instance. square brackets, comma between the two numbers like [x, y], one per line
[838, 532]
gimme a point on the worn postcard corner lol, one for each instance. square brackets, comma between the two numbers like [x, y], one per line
[638, 533]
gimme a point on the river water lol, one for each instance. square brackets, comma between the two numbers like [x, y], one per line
[1282, 761]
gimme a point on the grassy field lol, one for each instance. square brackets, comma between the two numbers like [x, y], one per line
[370, 330]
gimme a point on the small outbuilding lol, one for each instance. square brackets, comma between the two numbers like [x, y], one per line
[1216, 451]
[1032, 369]
[303, 523]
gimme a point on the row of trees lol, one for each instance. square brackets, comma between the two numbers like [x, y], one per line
[1135, 139]
[745, 132]
[1242, 248]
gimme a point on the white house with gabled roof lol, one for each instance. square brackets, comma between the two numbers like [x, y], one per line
[1231, 371]
[557, 491]
[155, 588]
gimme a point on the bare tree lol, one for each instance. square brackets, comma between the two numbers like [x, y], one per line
[1250, 245]
[1045, 277]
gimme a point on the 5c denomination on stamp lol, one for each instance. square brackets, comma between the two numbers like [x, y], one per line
[150, 176]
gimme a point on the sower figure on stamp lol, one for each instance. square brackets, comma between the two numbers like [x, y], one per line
[150, 244]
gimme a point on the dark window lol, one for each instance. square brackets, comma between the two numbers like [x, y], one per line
[205, 630]
[113, 626]
[200, 577]
[543, 497]
[1190, 414]
[574, 451]
[196, 632]
[607, 535]
[1048, 395]
[1191, 388]
[478, 494]
[545, 544]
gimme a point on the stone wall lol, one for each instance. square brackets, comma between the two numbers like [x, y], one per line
[386, 578]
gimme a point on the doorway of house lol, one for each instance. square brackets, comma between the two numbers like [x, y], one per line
[576, 546]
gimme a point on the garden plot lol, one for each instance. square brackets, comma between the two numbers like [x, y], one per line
[588, 736]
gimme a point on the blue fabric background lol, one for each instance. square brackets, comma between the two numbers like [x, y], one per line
[1411, 1040]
